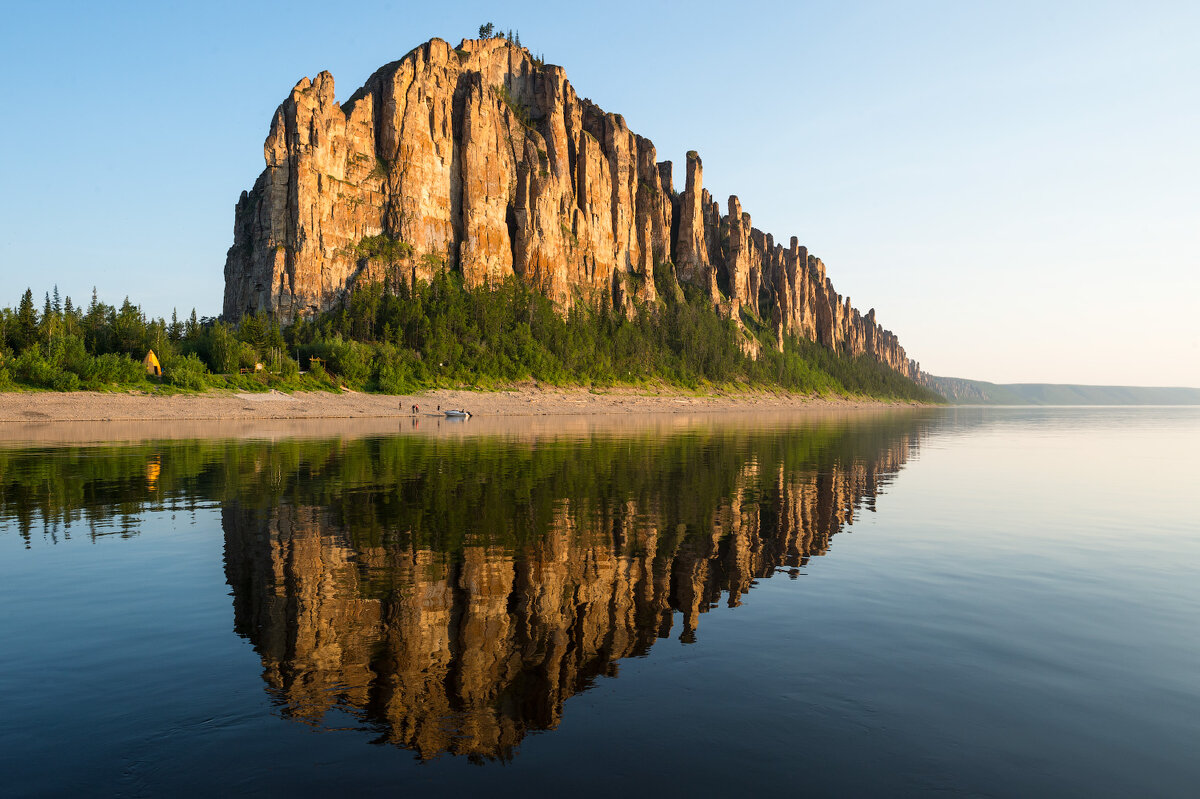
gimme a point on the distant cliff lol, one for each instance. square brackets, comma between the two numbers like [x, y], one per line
[482, 159]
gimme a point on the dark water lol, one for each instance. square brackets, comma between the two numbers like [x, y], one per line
[968, 602]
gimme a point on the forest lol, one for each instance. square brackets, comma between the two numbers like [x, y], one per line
[401, 339]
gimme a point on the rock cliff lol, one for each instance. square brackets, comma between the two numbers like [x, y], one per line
[479, 158]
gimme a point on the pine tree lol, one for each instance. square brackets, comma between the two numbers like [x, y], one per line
[46, 326]
[70, 317]
[276, 344]
[129, 327]
[25, 330]
[96, 329]
[57, 300]
[50, 325]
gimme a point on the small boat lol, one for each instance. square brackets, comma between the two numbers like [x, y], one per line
[458, 414]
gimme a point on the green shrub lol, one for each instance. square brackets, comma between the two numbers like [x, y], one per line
[109, 369]
[395, 379]
[65, 381]
[349, 360]
[32, 369]
[186, 372]
[255, 382]
[382, 247]
[288, 368]
[397, 371]
[318, 378]
[247, 356]
[224, 350]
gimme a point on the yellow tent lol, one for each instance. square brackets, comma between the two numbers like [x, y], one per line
[151, 364]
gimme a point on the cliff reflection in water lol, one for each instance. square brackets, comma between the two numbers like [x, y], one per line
[452, 595]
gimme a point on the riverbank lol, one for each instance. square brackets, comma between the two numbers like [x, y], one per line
[87, 406]
[55, 419]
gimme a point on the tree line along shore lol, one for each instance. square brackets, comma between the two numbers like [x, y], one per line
[404, 339]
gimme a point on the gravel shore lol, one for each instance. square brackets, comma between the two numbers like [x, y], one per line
[92, 416]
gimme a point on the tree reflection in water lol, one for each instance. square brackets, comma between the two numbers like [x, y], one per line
[452, 595]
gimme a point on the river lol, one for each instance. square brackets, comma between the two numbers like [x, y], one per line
[971, 601]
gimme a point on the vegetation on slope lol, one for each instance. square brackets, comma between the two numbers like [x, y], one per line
[436, 334]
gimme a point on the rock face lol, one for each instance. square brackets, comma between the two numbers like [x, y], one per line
[481, 159]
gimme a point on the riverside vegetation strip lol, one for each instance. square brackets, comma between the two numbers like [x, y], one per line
[403, 340]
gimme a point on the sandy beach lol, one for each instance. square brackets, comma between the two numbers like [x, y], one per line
[86, 406]
[90, 416]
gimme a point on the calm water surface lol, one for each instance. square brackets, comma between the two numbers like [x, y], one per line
[992, 602]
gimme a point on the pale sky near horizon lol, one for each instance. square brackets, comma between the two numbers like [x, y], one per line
[1013, 186]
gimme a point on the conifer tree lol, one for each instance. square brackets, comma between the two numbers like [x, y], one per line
[25, 330]
[129, 326]
[70, 316]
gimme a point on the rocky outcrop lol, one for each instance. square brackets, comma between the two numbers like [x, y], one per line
[481, 159]
[691, 254]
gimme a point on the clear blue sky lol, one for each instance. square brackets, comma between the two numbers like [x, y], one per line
[1014, 186]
